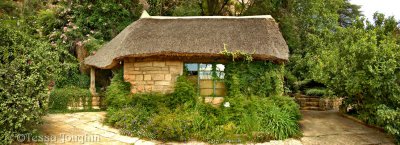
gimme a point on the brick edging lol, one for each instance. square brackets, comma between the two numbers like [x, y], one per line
[361, 122]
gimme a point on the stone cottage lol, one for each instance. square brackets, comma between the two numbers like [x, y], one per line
[155, 50]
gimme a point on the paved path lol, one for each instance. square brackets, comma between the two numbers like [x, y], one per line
[318, 128]
[86, 128]
[330, 128]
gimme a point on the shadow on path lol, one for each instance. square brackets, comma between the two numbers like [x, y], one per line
[330, 128]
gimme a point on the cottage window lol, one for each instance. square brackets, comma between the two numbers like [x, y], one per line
[208, 77]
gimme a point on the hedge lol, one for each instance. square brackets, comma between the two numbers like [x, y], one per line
[62, 98]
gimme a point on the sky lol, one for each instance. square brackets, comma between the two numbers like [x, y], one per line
[387, 7]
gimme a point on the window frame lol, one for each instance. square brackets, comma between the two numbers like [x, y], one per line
[213, 72]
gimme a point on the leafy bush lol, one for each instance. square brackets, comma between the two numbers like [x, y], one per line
[254, 78]
[71, 77]
[132, 120]
[362, 63]
[184, 92]
[247, 119]
[180, 116]
[26, 68]
[92, 44]
[170, 126]
[118, 93]
[267, 118]
[61, 98]
[290, 83]
[287, 104]
[278, 123]
[389, 118]
[316, 92]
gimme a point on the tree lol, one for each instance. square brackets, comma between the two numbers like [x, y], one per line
[26, 69]
[349, 13]
[363, 64]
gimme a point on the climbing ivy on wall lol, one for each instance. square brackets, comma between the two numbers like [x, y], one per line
[258, 78]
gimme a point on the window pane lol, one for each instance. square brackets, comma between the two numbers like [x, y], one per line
[205, 67]
[220, 67]
[221, 75]
[192, 68]
[205, 75]
[205, 71]
[220, 71]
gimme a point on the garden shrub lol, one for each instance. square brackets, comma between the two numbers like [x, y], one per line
[278, 122]
[27, 66]
[267, 117]
[184, 92]
[171, 126]
[362, 63]
[131, 119]
[71, 77]
[316, 92]
[290, 82]
[287, 104]
[118, 93]
[253, 114]
[254, 78]
[247, 119]
[61, 98]
[390, 119]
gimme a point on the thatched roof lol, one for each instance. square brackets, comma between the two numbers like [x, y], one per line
[194, 36]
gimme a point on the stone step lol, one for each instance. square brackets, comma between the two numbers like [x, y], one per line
[304, 96]
[308, 99]
[309, 108]
[311, 104]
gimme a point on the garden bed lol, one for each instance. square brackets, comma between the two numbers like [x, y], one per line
[183, 116]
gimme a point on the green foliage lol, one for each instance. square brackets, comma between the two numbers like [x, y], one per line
[247, 119]
[76, 28]
[71, 77]
[237, 55]
[187, 8]
[316, 92]
[184, 92]
[171, 126]
[254, 78]
[47, 18]
[117, 94]
[290, 82]
[349, 14]
[389, 117]
[131, 120]
[180, 116]
[7, 7]
[269, 118]
[26, 68]
[61, 98]
[362, 63]
[92, 44]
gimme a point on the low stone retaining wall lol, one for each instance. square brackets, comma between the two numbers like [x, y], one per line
[78, 105]
[318, 103]
[330, 103]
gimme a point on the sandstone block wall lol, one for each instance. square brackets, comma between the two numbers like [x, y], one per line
[152, 76]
